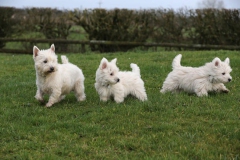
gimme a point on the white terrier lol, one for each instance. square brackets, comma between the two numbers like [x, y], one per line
[55, 79]
[111, 82]
[209, 77]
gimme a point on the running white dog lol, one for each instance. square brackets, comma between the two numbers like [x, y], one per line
[111, 82]
[56, 79]
[202, 80]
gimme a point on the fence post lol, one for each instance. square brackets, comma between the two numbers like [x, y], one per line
[83, 49]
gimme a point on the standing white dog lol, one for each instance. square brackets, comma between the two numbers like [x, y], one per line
[111, 82]
[209, 77]
[55, 79]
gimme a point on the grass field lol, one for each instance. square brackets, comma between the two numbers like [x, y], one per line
[169, 126]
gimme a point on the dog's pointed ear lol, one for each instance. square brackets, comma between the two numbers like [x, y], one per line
[227, 60]
[104, 63]
[35, 51]
[52, 48]
[114, 60]
[216, 61]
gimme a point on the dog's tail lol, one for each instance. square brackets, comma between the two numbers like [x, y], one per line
[176, 61]
[135, 69]
[64, 59]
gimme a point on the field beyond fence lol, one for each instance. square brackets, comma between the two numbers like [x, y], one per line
[121, 29]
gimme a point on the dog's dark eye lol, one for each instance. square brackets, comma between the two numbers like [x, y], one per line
[45, 61]
[111, 74]
[223, 73]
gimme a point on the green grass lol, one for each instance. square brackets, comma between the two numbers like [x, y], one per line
[169, 126]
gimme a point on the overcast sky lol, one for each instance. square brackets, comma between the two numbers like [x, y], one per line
[110, 4]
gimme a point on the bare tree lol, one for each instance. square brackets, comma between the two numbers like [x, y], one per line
[217, 4]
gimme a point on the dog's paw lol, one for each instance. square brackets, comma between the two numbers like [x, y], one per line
[40, 99]
[202, 94]
[225, 91]
[49, 105]
[104, 99]
[82, 98]
[119, 100]
[162, 91]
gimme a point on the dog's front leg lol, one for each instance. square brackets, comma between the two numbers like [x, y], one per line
[104, 97]
[119, 95]
[104, 94]
[220, 88]
[54, 97]
[39, 96]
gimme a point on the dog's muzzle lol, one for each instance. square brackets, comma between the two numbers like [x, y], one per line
[51, 69]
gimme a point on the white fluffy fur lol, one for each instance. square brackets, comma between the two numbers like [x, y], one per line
[55, 79]
[201, 80]
[111, 82]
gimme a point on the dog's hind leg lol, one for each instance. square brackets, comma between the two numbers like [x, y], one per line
[169, 87]
[79, 91]
[163, 90]
[140, 94]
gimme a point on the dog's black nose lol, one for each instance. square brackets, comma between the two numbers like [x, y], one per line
[51, 68]
[229, 79]
[118, 80]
